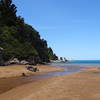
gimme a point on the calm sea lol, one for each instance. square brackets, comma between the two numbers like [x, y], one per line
[80, 63]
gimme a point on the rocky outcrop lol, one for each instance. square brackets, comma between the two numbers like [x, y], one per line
[16, 61]
[31, 60]
[13, 61]
[30, 68]
[24, 62]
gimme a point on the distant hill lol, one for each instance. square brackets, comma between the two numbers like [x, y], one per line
[20, 40]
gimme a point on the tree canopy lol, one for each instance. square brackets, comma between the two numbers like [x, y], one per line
[20, 40]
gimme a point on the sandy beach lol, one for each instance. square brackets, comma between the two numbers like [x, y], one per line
[11, 76]
[17, 70]
[84, 85]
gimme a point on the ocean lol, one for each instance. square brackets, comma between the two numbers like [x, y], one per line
[79, 63]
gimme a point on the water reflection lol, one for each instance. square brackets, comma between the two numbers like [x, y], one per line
[67, 70]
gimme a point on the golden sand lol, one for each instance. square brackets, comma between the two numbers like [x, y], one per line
[84, 85]
[17, 70]
[11, 76]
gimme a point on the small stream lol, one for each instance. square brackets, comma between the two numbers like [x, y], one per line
[67, 70]
[18, 81]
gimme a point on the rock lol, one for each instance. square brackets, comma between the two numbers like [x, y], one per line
[30, 68]
[24, 62]
[1, 49]
[14, 61]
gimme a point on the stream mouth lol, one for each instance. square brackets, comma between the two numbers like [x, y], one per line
[5, 83]
[67, 70]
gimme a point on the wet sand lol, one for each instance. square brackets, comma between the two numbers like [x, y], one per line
[17, 70]
[11, 76]
[84, 85]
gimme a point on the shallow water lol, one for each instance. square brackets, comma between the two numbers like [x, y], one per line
[69, 67]
[33, 78]
[67, 70]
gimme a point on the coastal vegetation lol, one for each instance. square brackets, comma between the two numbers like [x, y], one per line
[20, 40]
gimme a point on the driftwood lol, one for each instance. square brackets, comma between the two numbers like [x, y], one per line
[30, 68]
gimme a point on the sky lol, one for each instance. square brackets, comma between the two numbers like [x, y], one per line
[71, 27]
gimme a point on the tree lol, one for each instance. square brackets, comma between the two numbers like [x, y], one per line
[7, 13]
[51, 54]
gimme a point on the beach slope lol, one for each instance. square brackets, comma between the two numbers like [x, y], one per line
[83, 85]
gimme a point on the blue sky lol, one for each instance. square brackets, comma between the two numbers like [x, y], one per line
[71, 27]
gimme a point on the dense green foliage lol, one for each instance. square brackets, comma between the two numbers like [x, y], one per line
[20, 40]
[51, 55]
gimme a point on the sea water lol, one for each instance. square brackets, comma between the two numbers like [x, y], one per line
[79, 63]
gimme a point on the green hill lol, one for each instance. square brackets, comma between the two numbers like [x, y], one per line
[20, 40]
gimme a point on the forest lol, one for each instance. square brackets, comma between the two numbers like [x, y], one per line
[20, 40]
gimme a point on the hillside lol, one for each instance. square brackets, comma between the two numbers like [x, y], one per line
[20, 40]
